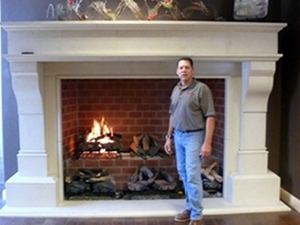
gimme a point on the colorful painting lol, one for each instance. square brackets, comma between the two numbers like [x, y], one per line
[133, 10]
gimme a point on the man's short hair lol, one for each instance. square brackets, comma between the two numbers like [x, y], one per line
[186, 58]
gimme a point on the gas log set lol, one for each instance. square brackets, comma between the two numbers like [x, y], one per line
[100, 143]
[103, 143]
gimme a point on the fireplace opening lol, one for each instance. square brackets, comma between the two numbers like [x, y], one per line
[102, 161]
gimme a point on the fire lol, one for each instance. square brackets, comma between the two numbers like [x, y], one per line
[100, 143]
[100, 133]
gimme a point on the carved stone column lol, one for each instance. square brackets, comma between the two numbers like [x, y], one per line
[252, 168]
[32, 157]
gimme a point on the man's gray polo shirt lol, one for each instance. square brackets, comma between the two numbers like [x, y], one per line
[190, 106]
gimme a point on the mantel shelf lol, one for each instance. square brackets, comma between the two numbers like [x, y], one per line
[143, 25]
[136, 58]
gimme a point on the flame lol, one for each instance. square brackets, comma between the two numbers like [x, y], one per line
[99, 130]
[96, 132]
[104, 126]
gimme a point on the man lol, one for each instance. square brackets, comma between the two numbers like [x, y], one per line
[192, 120]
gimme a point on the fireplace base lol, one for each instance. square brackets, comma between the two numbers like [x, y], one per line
[37, 200]
[33, 192]
[253, 188]
[137, 208]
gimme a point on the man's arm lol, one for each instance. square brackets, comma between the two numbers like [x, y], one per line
[170, 129]
[168, 143]
[209, 132]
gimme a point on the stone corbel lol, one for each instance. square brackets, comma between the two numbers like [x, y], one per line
[257, 82]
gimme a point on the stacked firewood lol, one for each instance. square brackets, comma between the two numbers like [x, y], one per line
[89, 182]
[146, 145]
[144, 179]
[211, 180]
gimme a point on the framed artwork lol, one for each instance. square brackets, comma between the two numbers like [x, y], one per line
[250, 9]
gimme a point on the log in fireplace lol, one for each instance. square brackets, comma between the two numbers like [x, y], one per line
[243, 54]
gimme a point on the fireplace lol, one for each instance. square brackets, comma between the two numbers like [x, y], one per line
[42, 54]
[130, 108]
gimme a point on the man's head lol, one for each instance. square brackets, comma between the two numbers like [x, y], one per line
[185, 70]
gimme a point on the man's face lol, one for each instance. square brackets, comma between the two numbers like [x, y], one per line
[185, 71]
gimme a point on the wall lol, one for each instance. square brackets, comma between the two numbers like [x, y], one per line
[2, 180]
[287, 152]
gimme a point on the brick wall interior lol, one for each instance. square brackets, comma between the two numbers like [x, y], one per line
[131, 107]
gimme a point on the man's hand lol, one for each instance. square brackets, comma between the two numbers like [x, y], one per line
[167, 147]
[205, 150]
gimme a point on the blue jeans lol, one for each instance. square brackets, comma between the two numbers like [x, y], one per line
[187, 147]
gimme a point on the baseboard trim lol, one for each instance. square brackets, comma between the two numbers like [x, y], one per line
[290, 200]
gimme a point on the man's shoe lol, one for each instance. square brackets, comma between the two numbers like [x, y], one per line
[196, 222]
[183, 217]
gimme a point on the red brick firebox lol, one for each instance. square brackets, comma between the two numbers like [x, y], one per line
[131, 107]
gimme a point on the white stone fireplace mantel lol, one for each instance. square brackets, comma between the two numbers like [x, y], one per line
[42, 53]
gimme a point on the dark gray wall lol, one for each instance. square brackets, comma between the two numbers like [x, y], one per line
[26, 10]
[289, 154]
[10, 123]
